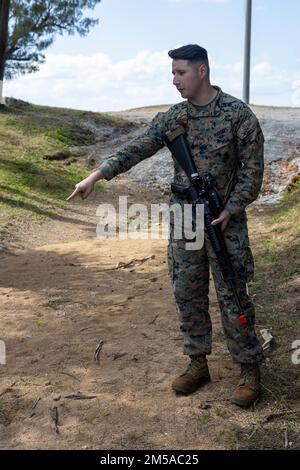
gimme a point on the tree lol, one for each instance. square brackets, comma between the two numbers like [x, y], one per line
[28, 27]
[4, 13]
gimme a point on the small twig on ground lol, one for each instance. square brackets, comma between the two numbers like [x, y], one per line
[286, 439]
[54, 417]
[253, 432]
[98, 351]
[7, 389]
[206, 403]
[34, 406]
[177, 338]
[210, 400]
[70, 375]
[131, 263]
[118, 355]
[80, 396]
[36, 402]
[270, 391]
[279, 352]
[154, 319]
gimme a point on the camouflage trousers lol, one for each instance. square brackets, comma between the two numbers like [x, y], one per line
[189, 272]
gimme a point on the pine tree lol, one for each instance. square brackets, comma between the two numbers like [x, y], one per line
[4, 15]
[28, 27]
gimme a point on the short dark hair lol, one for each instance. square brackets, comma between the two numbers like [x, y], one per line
[191, 52]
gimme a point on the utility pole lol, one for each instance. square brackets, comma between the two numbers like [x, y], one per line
[4, 15]
[247, 51]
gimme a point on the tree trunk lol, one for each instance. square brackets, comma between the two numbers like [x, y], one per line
[4, 14]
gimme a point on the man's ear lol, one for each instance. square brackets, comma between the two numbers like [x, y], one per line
[202, 70]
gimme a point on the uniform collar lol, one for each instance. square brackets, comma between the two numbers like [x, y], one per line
[211, 109]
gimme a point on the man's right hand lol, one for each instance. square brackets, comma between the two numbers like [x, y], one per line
[86, 186]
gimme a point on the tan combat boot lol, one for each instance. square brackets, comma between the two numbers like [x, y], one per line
[248, 389]
[196, 375]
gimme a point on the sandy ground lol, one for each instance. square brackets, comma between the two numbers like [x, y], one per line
[61, 296]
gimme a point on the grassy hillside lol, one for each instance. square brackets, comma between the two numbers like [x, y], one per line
[276, 292]
[37, 168]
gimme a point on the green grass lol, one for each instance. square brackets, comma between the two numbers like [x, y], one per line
[30, 185]
[154, 108]
[276, 247]
[37, 118]
[203, 418]
[277, 254]
[52, 303]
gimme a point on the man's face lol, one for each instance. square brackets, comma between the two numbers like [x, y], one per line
[187, 78]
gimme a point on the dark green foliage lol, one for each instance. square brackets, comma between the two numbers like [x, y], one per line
[33, 25]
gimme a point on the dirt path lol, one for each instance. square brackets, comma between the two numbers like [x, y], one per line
[61, 295]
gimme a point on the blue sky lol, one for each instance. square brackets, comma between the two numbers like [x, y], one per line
[123, 63]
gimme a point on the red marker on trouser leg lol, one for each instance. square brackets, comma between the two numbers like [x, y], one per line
[243, 320]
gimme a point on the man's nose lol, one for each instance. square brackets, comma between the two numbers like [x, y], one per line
[175, 81]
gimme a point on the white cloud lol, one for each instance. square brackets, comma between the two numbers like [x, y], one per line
[262, 68]
[273, 86]
[98, 83]
[296, 92]
[268, 86]
[259, 7]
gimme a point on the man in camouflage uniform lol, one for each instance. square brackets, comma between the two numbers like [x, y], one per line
[226, 140]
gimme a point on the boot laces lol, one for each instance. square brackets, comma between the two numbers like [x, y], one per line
[247, 374]
[197, 362]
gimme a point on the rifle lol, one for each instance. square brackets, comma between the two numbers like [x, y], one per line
[202, 191]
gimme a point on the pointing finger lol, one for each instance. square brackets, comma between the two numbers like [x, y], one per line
[72, 195]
